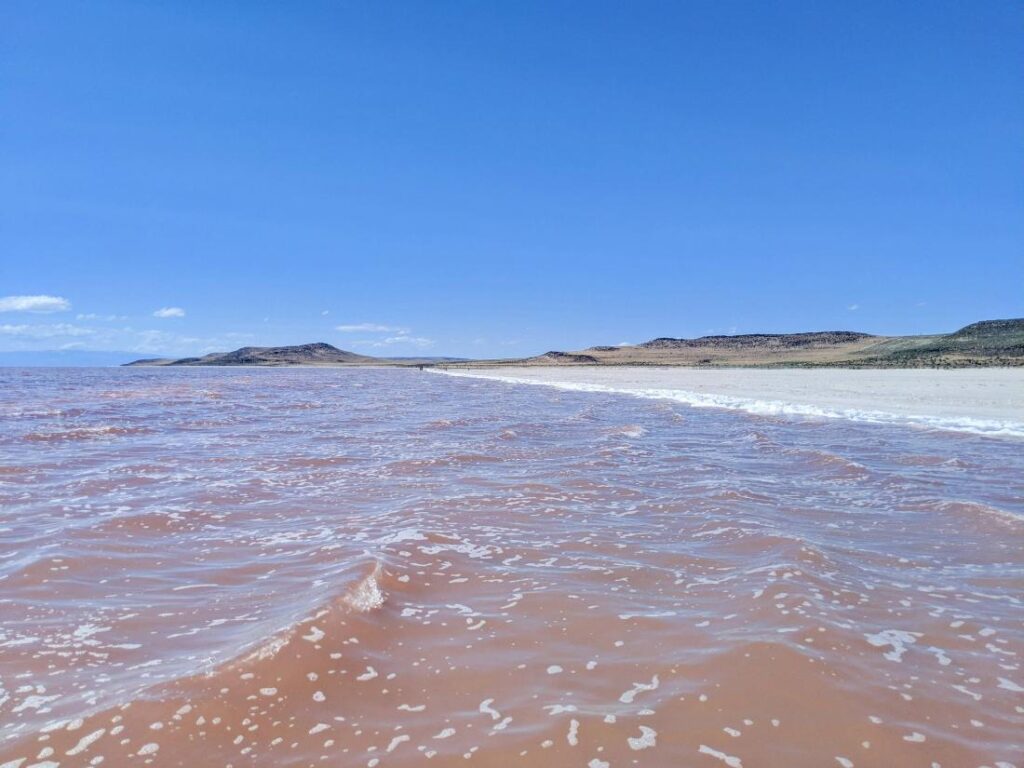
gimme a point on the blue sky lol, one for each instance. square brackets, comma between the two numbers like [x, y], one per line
[495, 179]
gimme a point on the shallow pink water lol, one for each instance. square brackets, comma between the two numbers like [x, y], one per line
[373, 567]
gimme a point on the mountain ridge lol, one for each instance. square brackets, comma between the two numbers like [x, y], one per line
[988, 343]
[315, 354]
[985, 343]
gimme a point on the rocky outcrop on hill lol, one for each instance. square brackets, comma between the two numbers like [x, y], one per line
[564, 357]
[753, 341]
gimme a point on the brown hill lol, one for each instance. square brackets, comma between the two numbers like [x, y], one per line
[988, 343]
[302, 354]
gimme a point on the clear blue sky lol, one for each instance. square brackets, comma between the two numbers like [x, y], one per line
[504, 178]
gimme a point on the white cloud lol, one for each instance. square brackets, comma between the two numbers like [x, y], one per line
[413, 341]
[370, 328]
[325, 313]
[48, 331]
[399, 336]
[170, 312]
[34, 304]
[853, 307]
[158, 342]
[144, 342]
[94, 316]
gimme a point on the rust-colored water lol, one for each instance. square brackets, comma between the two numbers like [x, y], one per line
[389, 568]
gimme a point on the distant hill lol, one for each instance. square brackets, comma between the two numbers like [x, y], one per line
[988, 343]
[762, 341]
[303, 354]
[558, 358]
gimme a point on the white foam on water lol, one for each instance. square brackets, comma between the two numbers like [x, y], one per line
[85, 741]
[897, 639]
[646, 739]
[487, 709]
[573, 737]
[315, 635]
[629, 696]
[729, 760]
[367, 594]
[1009, 685]
[406, 534]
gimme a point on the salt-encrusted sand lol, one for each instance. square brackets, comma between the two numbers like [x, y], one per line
[984, 400]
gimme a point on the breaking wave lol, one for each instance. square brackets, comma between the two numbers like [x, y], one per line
[365, 595]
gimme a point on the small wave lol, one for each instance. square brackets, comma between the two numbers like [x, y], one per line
[916, 460]
[840, 465]
[633, 431]
[85, 433]
[758, 407]
[367, 595]
[443, 424]
[973, 508]
[27, 413]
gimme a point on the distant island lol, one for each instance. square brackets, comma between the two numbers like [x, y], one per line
[991, 343]
[320, 354]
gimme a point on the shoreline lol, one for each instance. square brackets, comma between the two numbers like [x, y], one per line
[985, 401]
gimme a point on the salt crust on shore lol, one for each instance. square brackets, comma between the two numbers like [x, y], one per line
[986, 401]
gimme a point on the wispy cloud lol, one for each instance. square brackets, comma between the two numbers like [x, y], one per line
[147, 342]
[853, 307]
[400, 336]
[95, 316]
[169, 312]
[40, 303]
[415, 341]
[151, 342]
[419, 342]
[370, 328]
[45, 331]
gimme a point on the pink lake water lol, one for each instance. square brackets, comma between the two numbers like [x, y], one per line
[297, 567]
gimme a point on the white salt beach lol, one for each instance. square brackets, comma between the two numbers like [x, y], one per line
[980, 400]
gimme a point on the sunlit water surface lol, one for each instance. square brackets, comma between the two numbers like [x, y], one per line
[301, 567]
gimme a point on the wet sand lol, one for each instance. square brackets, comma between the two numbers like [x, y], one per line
[391, 568]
